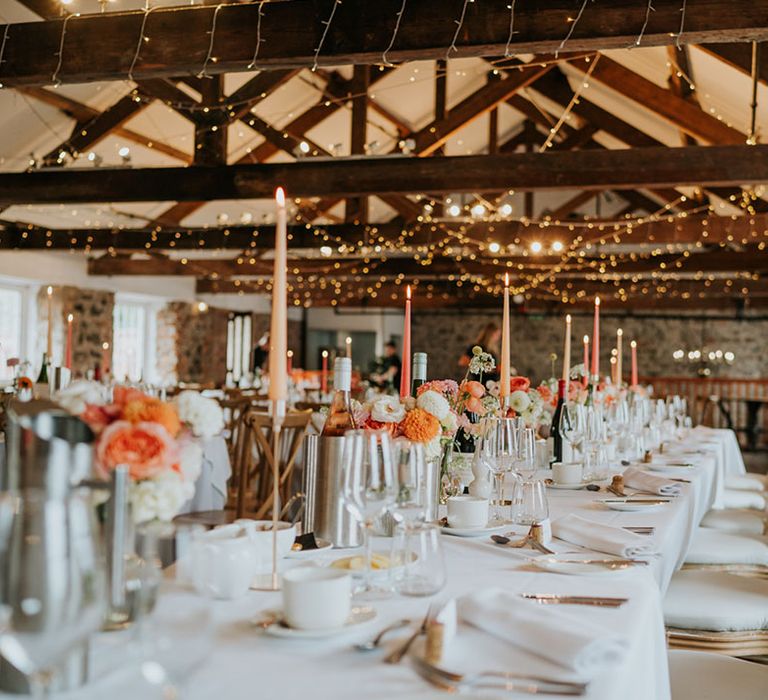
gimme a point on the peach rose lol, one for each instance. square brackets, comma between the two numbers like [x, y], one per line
[475, 405]
[148, 410]
[475, 389]
[146, 448]
[519, 384]
[121, 395]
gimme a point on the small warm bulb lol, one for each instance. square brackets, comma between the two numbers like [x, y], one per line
[536, 247]
[454, 210]
[124, 152]
[494, 247]
[557, 246]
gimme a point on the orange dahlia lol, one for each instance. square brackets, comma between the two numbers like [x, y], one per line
[420, 426]
[150, 410]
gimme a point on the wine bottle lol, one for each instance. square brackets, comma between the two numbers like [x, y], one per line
[42, 378]
[560, 415]
[419, 371]
[340, 418]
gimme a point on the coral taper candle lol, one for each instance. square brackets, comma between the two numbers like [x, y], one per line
[324, 374]
[289, 363]
[105, 360]
[278, 332]
[567, 352]
[633, 345]
[405, 372]
[613, 369]
[505, 360]
[348, 341]
[49, 348]
[585, 379]
[619, 351]
[68, 347]
[596, 342]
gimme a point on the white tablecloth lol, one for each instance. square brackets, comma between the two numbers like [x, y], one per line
[211, 485]
[245, 663]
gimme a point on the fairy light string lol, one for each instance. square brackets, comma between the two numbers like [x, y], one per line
[209, 56]
[142, 39]
[55, 77]
[259, 40]
[459, 24]
[327, 28]
[400, 14]
[507, 52]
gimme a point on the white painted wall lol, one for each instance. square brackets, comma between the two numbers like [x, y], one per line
[384, 323]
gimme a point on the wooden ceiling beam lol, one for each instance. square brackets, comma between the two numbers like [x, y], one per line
[690, 230]
[315, 177]
[358, 34]
[747, 260]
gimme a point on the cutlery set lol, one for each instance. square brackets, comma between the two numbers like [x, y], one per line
[552, 599]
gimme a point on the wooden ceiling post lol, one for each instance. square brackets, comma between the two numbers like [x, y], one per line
[357, 207]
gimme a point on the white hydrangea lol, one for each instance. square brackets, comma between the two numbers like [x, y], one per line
[160, 498]
[387, 409]
[203, 415]
[434, 403]
[74, 397]
[433, 449]
[450, 422]
[519, 401]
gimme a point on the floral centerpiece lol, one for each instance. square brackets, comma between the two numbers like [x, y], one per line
[159, 442]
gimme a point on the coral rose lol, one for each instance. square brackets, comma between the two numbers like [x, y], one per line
[148, 410]
[420, 426]
[519, 384]
[473, 388]
[145, 448]
[475, 405]
[121, 395]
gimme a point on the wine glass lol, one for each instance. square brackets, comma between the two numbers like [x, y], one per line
[525, 456]
[413, 495]
[529, 503]
[52, 581]
[369, 490]
[499, 450]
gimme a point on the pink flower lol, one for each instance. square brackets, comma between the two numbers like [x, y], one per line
[146, 448]
[519, 384]
[474, 389]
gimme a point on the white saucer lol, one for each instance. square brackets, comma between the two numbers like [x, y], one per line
[569, 487]
[473, 531]
[573, 568]
[621, 504]
[660, 467]
[359, 617]
[322, 546]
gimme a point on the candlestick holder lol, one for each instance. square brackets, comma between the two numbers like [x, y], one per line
[271, 582]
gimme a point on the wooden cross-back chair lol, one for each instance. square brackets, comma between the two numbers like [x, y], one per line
[255, 453]
[234, 409]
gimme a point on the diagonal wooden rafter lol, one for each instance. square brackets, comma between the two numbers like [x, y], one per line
[555, 87]
[84, 114]
[739, 56]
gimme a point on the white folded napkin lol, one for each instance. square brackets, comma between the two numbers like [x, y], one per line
[636, 479]
[603, 538]
[573, 642]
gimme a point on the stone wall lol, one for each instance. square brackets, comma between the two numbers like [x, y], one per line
[444, 336]
[92, 325]
[167, 347]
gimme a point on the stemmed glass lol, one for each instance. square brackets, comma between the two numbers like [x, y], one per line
[369, 491]
[499, 451]
[529, 502]
[52, 581]
[412, 499]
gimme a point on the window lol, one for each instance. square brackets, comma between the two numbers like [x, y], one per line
[239, 345]
[129, 340]
[11, 301]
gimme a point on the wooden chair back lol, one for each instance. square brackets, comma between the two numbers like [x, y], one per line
[256, 456]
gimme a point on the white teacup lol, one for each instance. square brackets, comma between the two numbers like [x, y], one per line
[223, 563]
[567, 473]
[466, 512]
[260, 534]
[316, 598]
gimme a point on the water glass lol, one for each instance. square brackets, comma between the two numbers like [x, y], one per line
[418, 562]
[413, 491]
[499, 452]
[529, 502]
[369, 490]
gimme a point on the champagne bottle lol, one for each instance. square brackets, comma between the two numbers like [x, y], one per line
[560, 415]
[340, 417]
[419, 371]
[42, 378]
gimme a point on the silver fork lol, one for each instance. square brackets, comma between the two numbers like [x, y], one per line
[498, 680]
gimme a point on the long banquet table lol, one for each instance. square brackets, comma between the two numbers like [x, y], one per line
[245, 663]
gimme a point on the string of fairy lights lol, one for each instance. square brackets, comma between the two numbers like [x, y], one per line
[470, 248]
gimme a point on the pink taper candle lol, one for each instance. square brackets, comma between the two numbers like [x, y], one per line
[619, 353]
[596, 341]
[585, 379]
[633, 345]
[505, 360]
[405, 373]
[348, 341]
[324, 374]
[68, 347]
[106, 364]
[278, 332]
[613, 370]
[289, 363]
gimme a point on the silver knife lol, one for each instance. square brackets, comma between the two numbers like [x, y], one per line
[552, 599]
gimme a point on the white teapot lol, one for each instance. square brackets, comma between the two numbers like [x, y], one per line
[223, 562]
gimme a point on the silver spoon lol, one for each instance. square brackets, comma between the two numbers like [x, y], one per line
[372, 644]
